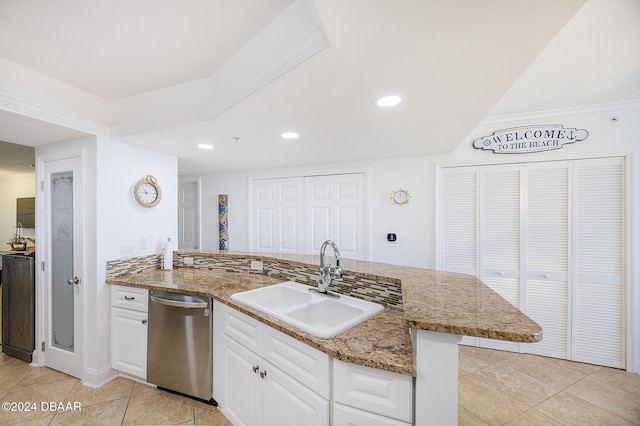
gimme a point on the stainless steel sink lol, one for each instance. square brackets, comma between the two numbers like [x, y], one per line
[295, 304]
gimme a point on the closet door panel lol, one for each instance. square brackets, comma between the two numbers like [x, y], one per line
[499, 228]
[546, 254]
[264, 219]
[499, 236]
[277, 215]
[458, 220]
[349, 215]
[599, 265]
[318, 193]
[547, 301]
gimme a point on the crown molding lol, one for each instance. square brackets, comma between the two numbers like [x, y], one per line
[290, 39]
[612, 108]
[39, 112]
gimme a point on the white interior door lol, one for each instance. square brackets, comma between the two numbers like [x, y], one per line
[63, 266]
[188, 218]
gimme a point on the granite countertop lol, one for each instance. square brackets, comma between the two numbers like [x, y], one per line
[438, 301]
[375, 342]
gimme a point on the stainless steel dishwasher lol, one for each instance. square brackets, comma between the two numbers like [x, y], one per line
[179, 350]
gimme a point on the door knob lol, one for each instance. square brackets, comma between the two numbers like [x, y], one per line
[74, 280]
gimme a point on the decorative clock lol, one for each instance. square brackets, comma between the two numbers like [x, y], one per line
[147, 192]
[400, 197]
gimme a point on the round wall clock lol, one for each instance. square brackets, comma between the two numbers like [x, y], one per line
[147, 192]
[400, 196]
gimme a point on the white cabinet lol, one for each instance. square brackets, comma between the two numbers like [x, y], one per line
[129, 330]
[549, 238]
[368, 396]
[255, 382]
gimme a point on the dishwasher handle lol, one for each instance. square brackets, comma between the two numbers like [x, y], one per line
[179, 303]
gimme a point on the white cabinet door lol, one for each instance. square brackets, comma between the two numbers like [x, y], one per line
[242, 386]
[598, 320]
[129, 342]
[382, 392]
[288, 403]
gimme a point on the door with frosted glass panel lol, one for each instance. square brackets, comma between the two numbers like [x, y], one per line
[63, 266]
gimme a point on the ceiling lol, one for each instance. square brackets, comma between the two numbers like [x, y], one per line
[169, 74]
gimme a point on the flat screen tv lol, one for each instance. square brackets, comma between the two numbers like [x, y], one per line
[26, 212]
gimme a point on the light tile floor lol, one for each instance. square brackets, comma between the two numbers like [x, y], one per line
[495, 388]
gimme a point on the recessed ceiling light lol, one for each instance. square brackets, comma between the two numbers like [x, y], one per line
[205, 146]
[289, 135]
[388, 101]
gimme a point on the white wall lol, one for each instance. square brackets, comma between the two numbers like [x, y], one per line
[12, 187]
[413, 247]
[415, 223]
[111, 218]
[119, 220]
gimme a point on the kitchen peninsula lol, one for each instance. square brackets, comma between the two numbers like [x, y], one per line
[426, 314]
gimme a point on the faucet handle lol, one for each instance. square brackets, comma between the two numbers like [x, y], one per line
[337, 273]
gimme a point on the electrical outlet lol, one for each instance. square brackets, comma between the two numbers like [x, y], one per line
[126, 251]
[188, 260]
[143, 243]
[256, 265]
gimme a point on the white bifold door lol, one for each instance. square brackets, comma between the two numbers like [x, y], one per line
[297, 214]
[549, 238]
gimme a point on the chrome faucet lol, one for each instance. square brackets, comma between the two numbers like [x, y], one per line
[325, 269]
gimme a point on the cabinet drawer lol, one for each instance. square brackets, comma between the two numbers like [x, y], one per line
[130, 298]
[244, 329]
[378, 391]
[348, 416]
[302, 362]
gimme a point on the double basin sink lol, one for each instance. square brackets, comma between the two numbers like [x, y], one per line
[317, 314]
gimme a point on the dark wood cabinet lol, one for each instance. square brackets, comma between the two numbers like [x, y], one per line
[18, 306]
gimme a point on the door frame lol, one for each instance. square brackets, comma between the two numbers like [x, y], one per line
[197, 180]
[43, 257]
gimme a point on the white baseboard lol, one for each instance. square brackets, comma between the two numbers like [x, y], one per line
[96, 378]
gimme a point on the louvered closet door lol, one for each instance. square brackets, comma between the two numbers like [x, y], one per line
[546, 254]
[499, 236]
[458, 211]
[599, 262]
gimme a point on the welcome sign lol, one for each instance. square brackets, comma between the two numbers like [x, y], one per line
[521, 140]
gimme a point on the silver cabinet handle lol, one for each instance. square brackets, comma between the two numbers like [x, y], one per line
[179, 304]
[129, 298]
[255, 368]
[74, 280]
[263, 374]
